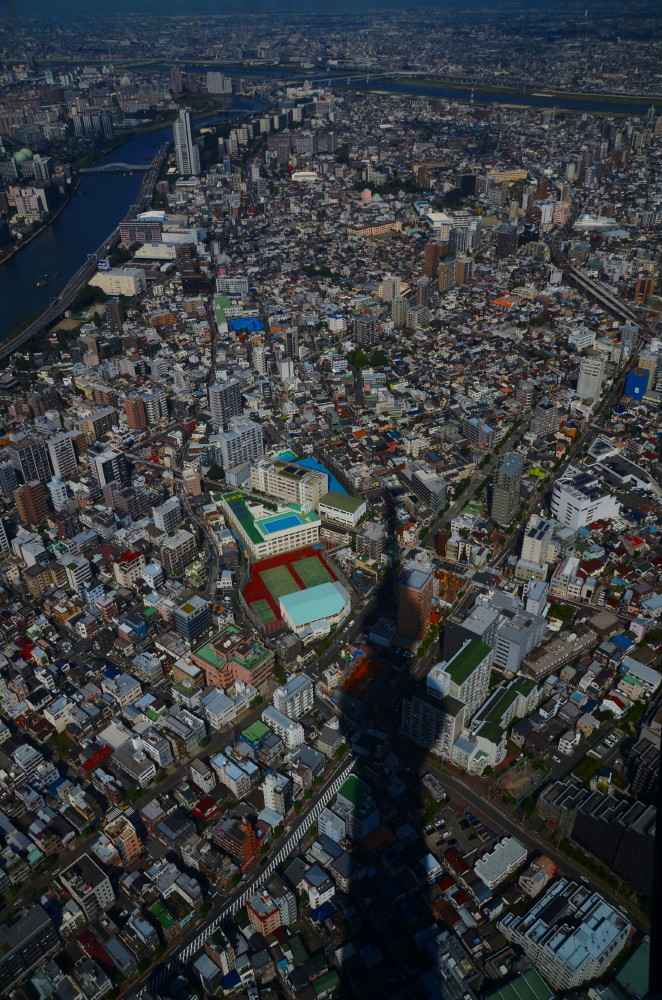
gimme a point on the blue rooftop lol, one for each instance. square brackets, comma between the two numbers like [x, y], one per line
[315, 603]
[312, 463]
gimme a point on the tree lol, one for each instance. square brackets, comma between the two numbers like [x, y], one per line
[342, 156]
[236, 878]
[214, 472]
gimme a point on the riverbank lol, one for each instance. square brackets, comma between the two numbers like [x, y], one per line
[560, 95]
[52, 216]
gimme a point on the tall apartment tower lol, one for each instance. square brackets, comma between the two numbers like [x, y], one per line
[506, 241]
[506, 489]
[399, 307]
[114, 314]
[446, 275]
[30, 459]
[176, 81]
[242, 443]
[414, 600]
[62, 455]
[431, 259]
[136, 415]
[591, 376]
[32, 503]
[366, 330]
[224, 402]
[187, 153]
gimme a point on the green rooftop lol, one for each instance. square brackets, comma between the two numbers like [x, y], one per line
[165, 918]
[220, 305]
[343, 501]
[255, 732]
[529, 986]
[355, 791]
[461, 666]
[449, 705]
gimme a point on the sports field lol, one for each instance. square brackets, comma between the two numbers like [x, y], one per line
[312, 571]
[263, 611]
[273, 578]
[279, 581]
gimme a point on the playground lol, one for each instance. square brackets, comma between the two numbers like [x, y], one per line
[280, 575]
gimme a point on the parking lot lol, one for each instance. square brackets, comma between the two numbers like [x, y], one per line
[454, 826]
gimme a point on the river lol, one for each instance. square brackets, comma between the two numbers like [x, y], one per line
[449, 92]
[100, 203]
[103, 200]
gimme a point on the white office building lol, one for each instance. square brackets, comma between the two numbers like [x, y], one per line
[591, 377]
[578, 499]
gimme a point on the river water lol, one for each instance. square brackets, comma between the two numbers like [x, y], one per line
[60, 249]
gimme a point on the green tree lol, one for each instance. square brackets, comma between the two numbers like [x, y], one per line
[214, 472]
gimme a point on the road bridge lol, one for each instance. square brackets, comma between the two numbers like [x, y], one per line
[114, 168]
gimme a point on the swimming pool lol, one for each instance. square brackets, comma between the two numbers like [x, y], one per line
[281, 523]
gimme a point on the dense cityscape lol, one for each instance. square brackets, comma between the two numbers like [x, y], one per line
[330, 503]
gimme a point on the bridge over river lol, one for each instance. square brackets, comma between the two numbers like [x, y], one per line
[114, 168]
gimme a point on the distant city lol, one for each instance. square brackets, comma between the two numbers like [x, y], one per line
[330, 503]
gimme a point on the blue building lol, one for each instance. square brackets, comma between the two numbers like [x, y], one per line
[636, 384]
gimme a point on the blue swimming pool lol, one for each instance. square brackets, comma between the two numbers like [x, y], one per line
[288, 521]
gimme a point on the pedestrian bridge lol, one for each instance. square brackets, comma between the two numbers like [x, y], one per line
[115, 168]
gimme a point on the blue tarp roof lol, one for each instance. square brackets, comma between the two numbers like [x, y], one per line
[322, 912]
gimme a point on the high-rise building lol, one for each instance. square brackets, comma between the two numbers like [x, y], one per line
[89, 886]
[114, 314]
[366, 330]
[399, 307]
[176, 81]
[217, 83]
[31, 500]
[224, 402]
[136, 417]
[446, 275]
[187, 154]
[62, 455]
[422, 291]
[168, 515]
[414, 600]
[295, 697]
[25, 943]
[108, 466]
[571, 934]
[506, 241]
[431, 259]
[30, 459]
[591, 376]
[192, 618]
[58, 493]
[241, 443]
[390, 287]
[177, 552]
[8, 479]
[506, 489]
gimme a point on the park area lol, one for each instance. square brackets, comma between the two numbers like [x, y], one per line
[521, 778]
[280, 575]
